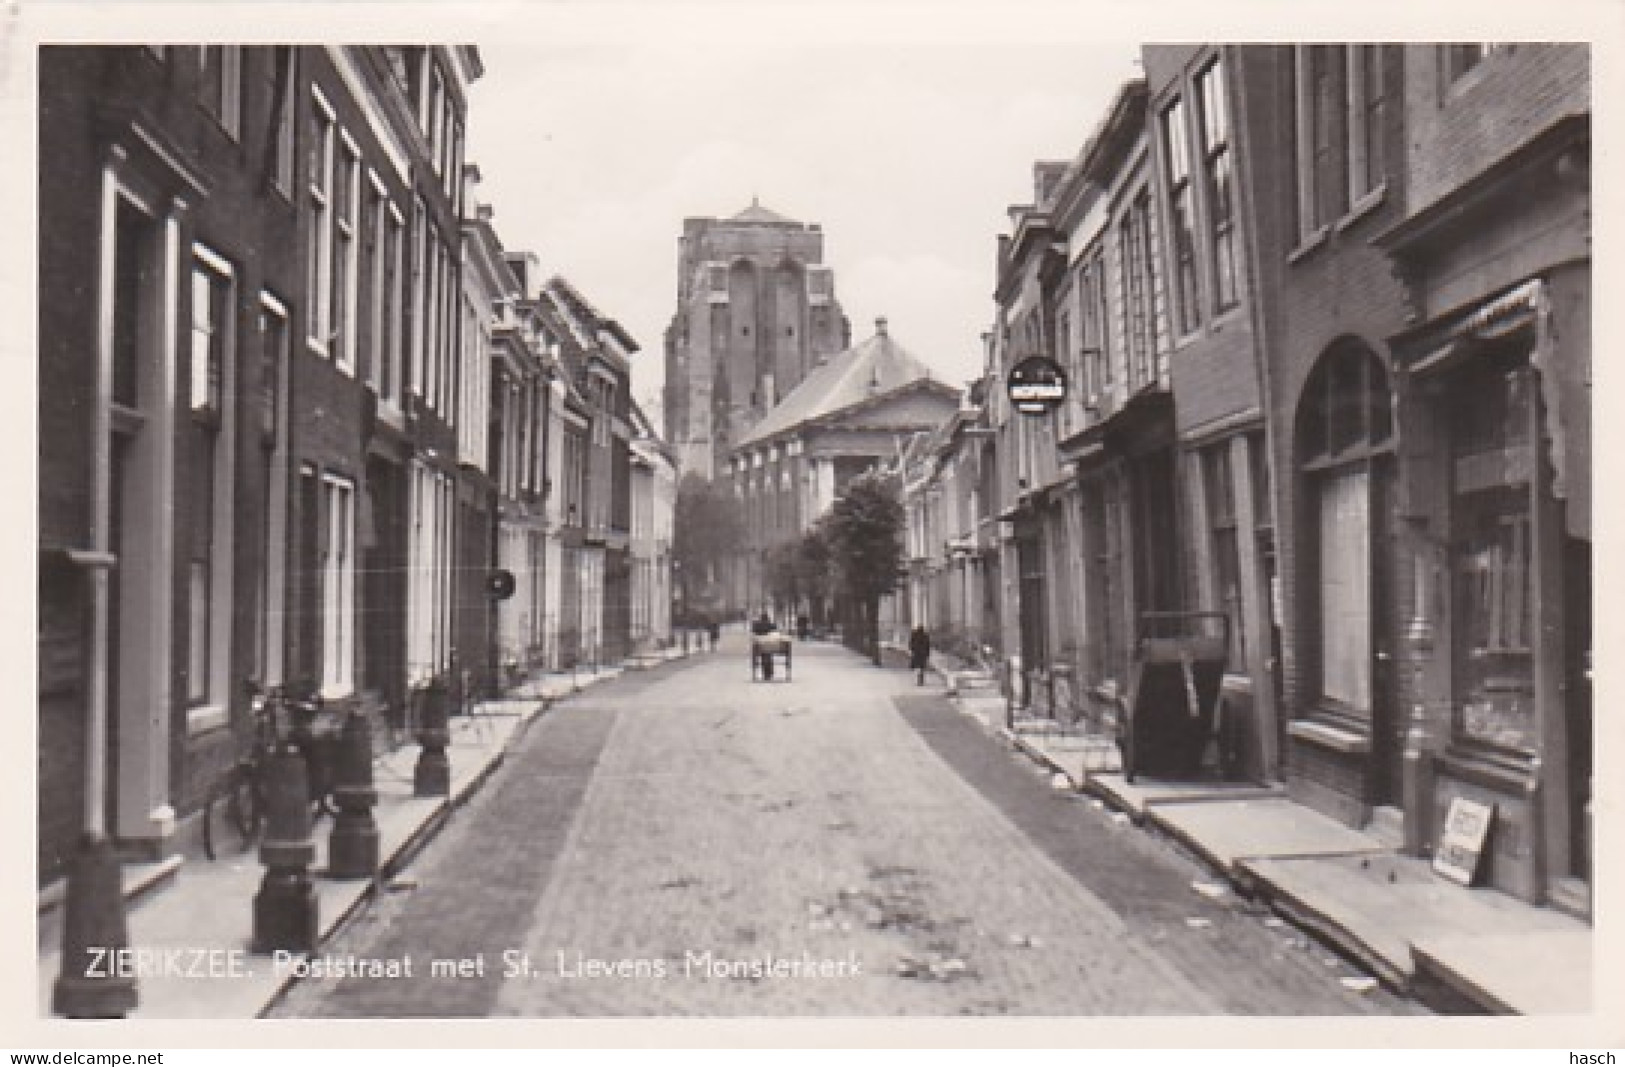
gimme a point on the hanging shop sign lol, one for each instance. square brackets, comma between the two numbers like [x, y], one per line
[1036, 385]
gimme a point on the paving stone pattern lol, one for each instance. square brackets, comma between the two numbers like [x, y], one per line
[685, 826]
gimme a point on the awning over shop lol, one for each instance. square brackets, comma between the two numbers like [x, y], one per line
[1564, 383]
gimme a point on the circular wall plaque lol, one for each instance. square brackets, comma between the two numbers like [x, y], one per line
[1036, 385]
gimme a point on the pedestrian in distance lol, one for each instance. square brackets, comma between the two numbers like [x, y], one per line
[713, 631]
[763, 627]
[919, 653]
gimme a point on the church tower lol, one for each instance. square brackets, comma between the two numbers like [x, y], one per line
[756, 311]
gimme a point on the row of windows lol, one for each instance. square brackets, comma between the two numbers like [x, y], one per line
[221, 72]
[517, 452]
[1340, 103]
[418, 74]
[1083, 324]
[356, 307]
[358, 312]
[210, 374]
[1198, 174]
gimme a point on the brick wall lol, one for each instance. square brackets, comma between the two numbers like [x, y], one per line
[1216, 374]
[1459, 128]
[69, 220]
[239, 218]
[1309, 299]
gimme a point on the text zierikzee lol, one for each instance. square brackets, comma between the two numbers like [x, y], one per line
[166, 963]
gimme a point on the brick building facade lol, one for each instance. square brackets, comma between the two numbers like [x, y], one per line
[1346, 405]
[1327, 302]
[1493, 251]
[268, 445]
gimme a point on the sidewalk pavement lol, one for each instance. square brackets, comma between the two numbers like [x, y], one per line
[188, 902]
[1459, 949]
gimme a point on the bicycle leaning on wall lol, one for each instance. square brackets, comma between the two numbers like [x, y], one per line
[238, 801]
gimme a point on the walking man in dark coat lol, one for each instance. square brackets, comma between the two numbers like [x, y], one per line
[919, 652]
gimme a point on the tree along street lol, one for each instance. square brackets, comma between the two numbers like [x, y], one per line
[686, 842]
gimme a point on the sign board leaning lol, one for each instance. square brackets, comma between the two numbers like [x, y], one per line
[1461, 846]
[1036, 385]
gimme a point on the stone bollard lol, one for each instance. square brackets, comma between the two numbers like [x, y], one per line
[352, 847]
[285, 907]
[94, 926]
[432, 775]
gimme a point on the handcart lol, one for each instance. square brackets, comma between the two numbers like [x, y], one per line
[1173, 693]
[764, 649]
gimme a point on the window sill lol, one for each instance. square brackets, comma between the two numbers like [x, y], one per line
[1327, 735]
[1507, 770]
[1308, 244]
[1368, 203]
[207, 718]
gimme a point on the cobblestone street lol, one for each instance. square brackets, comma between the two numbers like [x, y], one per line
[654, 845]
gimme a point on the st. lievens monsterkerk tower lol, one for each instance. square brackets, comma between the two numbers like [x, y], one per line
[756, 310]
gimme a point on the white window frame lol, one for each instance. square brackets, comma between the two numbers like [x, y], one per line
[319, 304]
[273, 608]
[431, 333]
[394, 322]
[1343, 525]
[1360, 137]
[418, 261]
[338, 574]
[1215, 142]
[209, 707]
[376, 218]
[346, 258]
[1309, 224]
[231, 86]
[284, 142]
[436, 128]
[1173, 128]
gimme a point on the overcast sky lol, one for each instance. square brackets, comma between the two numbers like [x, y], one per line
[907, 147]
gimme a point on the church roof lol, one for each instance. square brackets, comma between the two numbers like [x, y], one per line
[757, 213]
[875, 368]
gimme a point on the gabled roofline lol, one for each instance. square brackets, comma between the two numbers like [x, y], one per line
[822, 420]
